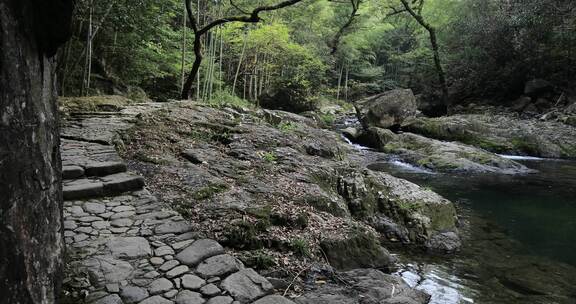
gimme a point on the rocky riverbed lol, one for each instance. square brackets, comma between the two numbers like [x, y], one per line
[281, 195]
[276, 192]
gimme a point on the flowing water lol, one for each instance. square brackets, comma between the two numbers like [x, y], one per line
[519, 234]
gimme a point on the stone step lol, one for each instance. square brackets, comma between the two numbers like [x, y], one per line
[85, 188]
[92, 169]
[122, 182]
[104, 168]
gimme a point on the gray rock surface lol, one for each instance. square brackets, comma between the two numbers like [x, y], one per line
[246, 285]
[160, 286]
[189, 297]
[156, 300]
[133, 294]
[198, 251]
[110, 299]
[129, 247]
[173, 227]
[274, 299]
[219, 265]
[192, 282]
[220, 300]
[387, 109]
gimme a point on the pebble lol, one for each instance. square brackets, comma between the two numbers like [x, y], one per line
[170, 294]
[177, 271]
[210, 290]
[192, 282]
[123, 222]
[169, 265]
[160, 286]
[164, 250]
[113, 288]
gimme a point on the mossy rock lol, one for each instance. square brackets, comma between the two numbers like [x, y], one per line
[358, 249]
[105, 103]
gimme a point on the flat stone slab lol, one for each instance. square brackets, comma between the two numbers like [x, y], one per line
[129, 247]
[220, 300]
[133, 294]
[177, 271]
[72, 172]
[95, 208]
[160, 286]
[122, 182]
[83, 188]
[189, 297]
[192, 282]
[274, 299]
[219, 265]
[156, 300]
[199, 251]
[104, 168]
[110, 299]
[173, 227]
[246, 285]
[107, 269]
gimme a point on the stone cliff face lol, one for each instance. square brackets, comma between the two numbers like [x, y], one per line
[30, 184]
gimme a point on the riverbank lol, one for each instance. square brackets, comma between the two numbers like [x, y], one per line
[290, 197]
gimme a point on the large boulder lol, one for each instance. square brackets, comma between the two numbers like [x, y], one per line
[501, 134]
[387, 110]
[442, 156]
[536, 87]
[400, 211]
[364, 286]
[358, 249]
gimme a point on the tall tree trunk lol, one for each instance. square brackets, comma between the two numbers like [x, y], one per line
[196, 54]
[239, 63]
[346, 84]
[339, 82]
[187, 89]
[88, 59]
[435, 49]
[31, 228]
[183, 71]
[221, 60]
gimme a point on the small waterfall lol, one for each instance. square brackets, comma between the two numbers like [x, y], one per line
[517, 157]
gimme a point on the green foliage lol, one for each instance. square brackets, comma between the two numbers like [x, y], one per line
[486, 49]
[225, 98]
[209, 191]
[259, 260]
[328, 118]
[300, 247]
[287, 126]
[244, 235]
[144, 157]
[269, 156]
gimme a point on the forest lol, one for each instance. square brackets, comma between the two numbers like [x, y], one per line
[287, 151]
[316, 50]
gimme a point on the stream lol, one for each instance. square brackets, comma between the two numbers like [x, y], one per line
[518, 233]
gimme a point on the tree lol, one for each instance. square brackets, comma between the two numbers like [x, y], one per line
[416, 13]
[252, 17]
[31, 239]
[355, 5]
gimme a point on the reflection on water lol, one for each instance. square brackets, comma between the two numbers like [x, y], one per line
[519, 235]
[445, 288]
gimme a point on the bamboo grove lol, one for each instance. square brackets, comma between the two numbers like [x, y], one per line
[313, 49]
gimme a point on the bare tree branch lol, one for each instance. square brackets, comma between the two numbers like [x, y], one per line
[252, 17]
[336, 40]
